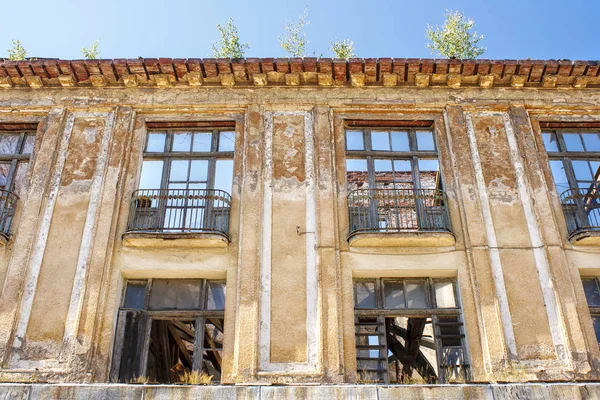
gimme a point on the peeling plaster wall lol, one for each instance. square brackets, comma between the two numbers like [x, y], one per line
[289, 267]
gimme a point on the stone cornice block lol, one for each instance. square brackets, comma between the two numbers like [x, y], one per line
[518, 81]
[34, 82]
[276, 77]
[357, 79]
[98, 80]
[194, 78]
[422, 80]
[162, 80]
[549, 81]
[390, 79]
[486, 81]
[259, 79]
[325, 79]
[6, 82]
[66, 80]
[292, 79]
[581, 82]
[130, 80]
[454, 80]
[227, 79]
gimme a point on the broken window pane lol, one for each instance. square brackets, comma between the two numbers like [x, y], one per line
[4, 171]
[550, 141]
[592, 294]
[203, 141]
[394, 294]
[364, 292]
[226, 141]
[212, 356]
[416, 296]
[215, 296]
[175, 294]
[425, 141]
[8, 143]
[182, 141]
[135, 295]
[171, 350]
[444, 294]
[156, 142]
[429, 173]
[356, 173]
[354, 140]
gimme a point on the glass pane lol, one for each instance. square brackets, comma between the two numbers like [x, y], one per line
[403, 174]
[573, 141]
[156, 142]
[8, 143]
[560, 177]
[582, 170]
[383, 165]
[226, 141]
[179, 170]
[28, 145]
[135, 294]
[356, 174]
[444, 294]
[425, 141]
[151, 174]
[224, 175]
[595, 169]
[591, 141]
[182, 141]
[400, 141]
[550, 141]
[216, 296]
[202, 141]
[592, 294]
[199, 170]
[416, 297]
[384, 176]
[175, 294]
[354, 140]
[364, 293]
[394, 294]
[428, 173]
[380, 141]
[596, 320]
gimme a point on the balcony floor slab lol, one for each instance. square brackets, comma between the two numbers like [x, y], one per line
[402, 239]
[174, 240]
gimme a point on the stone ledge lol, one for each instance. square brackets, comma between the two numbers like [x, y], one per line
[335, 392]
[402, 239]
[174, 240]
[585, 238]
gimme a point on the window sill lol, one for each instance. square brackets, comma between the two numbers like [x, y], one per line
[402, 239]
[175, 240]
[585, 237]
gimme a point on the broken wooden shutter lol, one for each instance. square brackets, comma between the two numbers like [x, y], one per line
[129, 346]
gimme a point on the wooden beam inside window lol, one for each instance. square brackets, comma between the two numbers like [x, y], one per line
[569, 125]
[190, 124]
[18, 127]
[355, 123]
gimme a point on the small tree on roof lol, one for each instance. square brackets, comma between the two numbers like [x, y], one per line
[343, 48]
[229, 45]
[294, 39]
[454, 40]
[17, 52]
[92, 53]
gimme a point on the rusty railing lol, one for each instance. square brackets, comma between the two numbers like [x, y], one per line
[398, 210]
[582, 209]
[180, 210]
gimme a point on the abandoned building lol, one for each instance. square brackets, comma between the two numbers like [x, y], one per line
[300, 227]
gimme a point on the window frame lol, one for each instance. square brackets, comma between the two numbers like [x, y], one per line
[381, 312]
[18, 156]
[168, 155]
[413, 154]
[594, 310]
[199, 315]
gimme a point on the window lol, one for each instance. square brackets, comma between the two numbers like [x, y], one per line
[574, 158]
[409, 331]
[15, 151]
[592, 294]
[168, 328]
[394, 181]
[185, 182]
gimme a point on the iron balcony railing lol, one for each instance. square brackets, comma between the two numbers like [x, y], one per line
[180, 210]
[8, 204]
[398, 210]
[582, 210]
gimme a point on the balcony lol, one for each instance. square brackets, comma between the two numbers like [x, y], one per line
[399, 218]
[178, 218]
[582, 214]
[8, 204]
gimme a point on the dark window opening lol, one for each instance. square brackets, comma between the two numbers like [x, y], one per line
[592, 295]
[168, 330]
[409, 331]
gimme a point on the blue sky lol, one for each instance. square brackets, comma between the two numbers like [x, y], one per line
[513, 29]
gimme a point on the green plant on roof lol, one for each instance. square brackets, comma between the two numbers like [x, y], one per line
[17, 52]
[343, 48]
[455, 39]
[294, 39]
[229, 45]
[91, 53]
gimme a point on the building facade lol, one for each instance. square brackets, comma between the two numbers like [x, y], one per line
[299, 221]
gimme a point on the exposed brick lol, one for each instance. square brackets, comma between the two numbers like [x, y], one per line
[120, 66]
[399, 68]
[579, 68]
[152, 67]
[441, 67]
[469, 67]
[295, 65]
[339, 70]
[310, 64]
[253, 65]
[510, 68]
[325, 65]
[282, 65]
[210, 67]
[497, 68]
[564, 68]
[454, 66]
[267, 65]
[137, 67]
[535, 70]
[224, 67]
[195, 65]
[181, 68]
[484, 67]
[107, 70]
[38, 69]
[25, 68]
[551, 67]
[355, 65]
[427, 66]
[92, 67]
